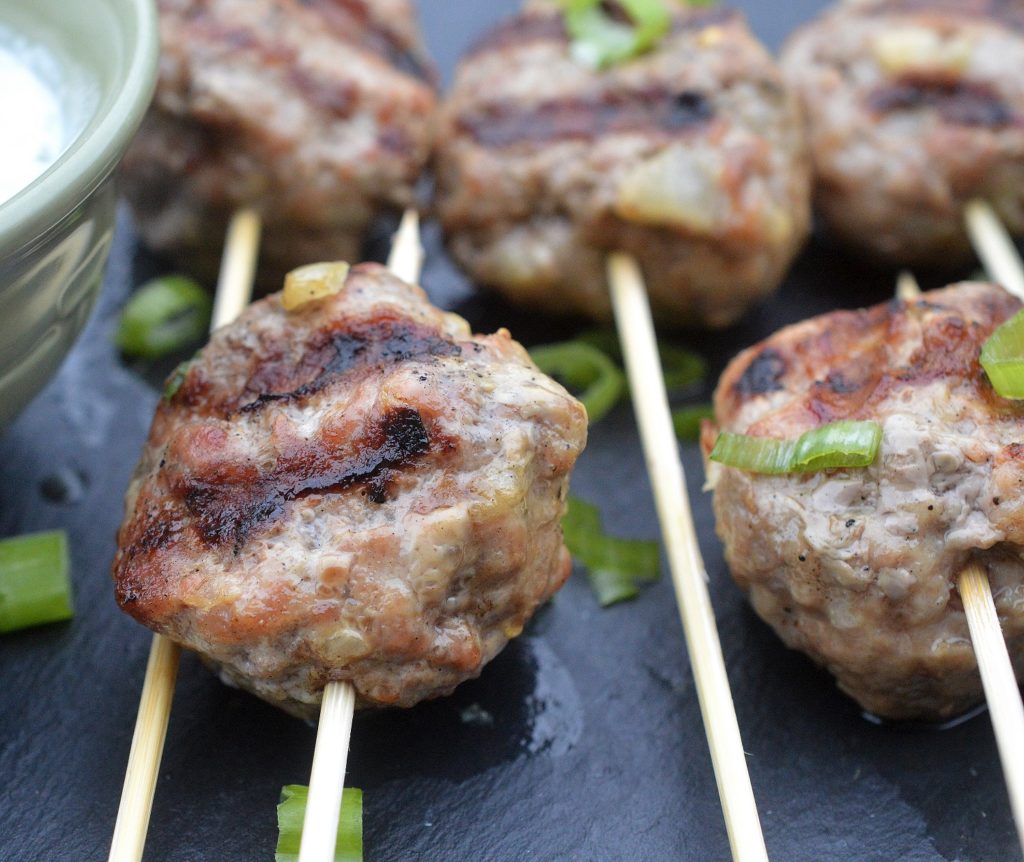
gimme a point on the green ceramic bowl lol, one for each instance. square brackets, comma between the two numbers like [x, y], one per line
[56, 232]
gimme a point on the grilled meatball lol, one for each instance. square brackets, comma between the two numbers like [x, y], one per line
[317, 113]
[690, 157]
[914, 108]
[359, 490]
[858, 567]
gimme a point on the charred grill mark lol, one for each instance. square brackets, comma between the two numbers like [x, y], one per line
[1008, 13]
[227, 511]
[837, 382]
[763, 374]
[504, 123]
[960, 103]
[526, 29]
[330, 355]
[335, 97]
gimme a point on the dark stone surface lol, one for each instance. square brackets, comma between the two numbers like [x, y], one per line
[582, 741]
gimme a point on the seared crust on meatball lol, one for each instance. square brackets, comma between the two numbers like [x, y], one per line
[858, 568]
[317, 113]
[690, 157]
[914, 107]
[356, 490]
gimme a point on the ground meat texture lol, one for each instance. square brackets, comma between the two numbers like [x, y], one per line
[691, 157]
[914, 108]
[858, 568]
[317, 113]
[358, 490]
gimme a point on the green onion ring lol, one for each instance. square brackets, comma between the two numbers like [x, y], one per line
[291, 812]
[839, 444]
[164, 315]
[1002, 357]
[600, 41]
[586, 369]
[35, 586]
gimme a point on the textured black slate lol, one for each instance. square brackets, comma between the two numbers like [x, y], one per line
[583, 741]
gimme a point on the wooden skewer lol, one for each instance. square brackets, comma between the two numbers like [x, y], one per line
[636, 331]
[234, 287]
[995, 246]
[1002, 261]
[330, 757]
[997, 677]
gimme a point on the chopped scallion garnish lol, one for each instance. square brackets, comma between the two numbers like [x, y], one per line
[839, 444]
[681, 368]
[1002, 357]
[292, 811]
[165, 315]
[35, 586]
[601, 39]
[599, 384]
[687, 421]
[615, 567]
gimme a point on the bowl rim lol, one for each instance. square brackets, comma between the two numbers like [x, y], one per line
[82, 167]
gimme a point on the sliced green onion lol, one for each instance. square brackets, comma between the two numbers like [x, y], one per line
[35, 586]
[838, 444]
[687, 421]
[599, 40]
[163, 316]
[615, 567]
[1002, 357]
[292, 811]
[681, 368]
[176, 378]
[585, 369]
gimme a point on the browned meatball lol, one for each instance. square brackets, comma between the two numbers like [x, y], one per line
[358, 489]
[858, 567]
[691, 157]
[914, 108]
[318, 113]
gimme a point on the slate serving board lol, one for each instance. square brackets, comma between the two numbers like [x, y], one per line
[582, 741]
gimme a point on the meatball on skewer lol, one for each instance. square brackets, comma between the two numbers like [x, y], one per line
[691, 157]
[857, 567]
[914, 108]
[317, 114]
[357, 489]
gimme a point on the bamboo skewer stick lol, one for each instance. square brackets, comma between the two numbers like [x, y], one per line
[997, 677]
[234, 287]
[995, 247]
[334, 731]
[1002, 261]
[636, 330]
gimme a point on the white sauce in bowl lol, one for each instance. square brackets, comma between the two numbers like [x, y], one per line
[42, 112]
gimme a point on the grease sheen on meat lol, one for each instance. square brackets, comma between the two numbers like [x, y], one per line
[914, 108]
[357, 490]
[317, 113]
[690, 157]
[857, 568]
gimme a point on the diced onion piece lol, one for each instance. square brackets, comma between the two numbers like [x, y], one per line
[919, 49]
[681, 187]
[164, 315]
[615, 567]
[600, 41]
[315, 281]
[35, 586]
[586, 369]
[1002, 357]
[838, 444]
[292, 811]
